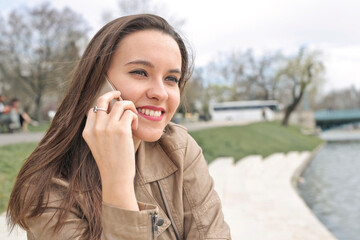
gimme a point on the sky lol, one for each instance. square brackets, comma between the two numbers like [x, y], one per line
[213, 27]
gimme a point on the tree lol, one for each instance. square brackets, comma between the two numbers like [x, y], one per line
[228, 72]
[247, 76]
[263, 75]
[348, 98]
[300, 72]
[193, 94]
[33, 42]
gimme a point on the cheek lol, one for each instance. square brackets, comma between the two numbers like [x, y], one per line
[129, 92]
[174, 101]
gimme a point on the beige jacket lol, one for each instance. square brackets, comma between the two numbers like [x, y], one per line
[172, 183]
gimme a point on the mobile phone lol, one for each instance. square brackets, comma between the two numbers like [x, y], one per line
[106, 87]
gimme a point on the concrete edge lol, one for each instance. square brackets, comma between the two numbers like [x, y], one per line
[300, 170]
[294, 182]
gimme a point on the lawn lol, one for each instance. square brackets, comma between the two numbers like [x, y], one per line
[263, 138]
[42, 127]
[11, 159]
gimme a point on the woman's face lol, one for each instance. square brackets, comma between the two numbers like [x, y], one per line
[146, 68]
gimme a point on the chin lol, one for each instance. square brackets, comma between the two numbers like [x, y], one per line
[148, 134]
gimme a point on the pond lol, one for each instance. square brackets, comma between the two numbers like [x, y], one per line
[332, 188]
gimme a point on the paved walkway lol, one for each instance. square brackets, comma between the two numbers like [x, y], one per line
[194, 126]
[12, 138]
[260, 201]
[341, 135]
[17, 234]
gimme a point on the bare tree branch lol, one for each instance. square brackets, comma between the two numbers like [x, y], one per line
[33, 42]
[302, 70]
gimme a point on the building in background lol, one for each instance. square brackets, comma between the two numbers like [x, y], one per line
[246, 111]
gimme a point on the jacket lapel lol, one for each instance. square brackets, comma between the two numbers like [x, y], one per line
[153, 163]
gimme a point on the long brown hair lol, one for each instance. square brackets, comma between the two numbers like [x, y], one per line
[63, 152]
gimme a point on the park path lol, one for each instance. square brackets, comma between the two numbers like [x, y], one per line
[18, 137]
[260, 201]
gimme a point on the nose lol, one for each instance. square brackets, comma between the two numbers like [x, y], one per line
[157, 90]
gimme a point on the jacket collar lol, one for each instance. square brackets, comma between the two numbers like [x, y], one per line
[153, 163]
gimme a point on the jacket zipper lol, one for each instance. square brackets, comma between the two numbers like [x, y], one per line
[154, 223]
[168, 212]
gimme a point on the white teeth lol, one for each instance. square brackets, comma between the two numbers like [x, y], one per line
[149, 112]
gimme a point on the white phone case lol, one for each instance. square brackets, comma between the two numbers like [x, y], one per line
[106, 87]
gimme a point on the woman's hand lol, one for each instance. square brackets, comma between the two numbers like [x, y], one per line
[109, 136]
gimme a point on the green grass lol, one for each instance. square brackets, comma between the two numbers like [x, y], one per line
[11, 160]
[263, 138]
[42, 127]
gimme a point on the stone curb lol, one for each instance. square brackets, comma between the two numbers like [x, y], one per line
[300, 170]
[297, 174]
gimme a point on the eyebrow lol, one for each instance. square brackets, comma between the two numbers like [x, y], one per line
[149, 64]
[141, 62]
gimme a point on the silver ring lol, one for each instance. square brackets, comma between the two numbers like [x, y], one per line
[96, 109]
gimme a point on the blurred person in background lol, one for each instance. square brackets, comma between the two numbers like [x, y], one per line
[2, 104]
[24, 118]
[9, 117]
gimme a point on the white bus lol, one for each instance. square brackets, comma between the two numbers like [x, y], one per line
[246, 111]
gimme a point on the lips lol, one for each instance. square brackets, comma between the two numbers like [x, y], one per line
[151, 112]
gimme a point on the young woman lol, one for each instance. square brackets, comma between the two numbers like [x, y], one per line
[120, 170]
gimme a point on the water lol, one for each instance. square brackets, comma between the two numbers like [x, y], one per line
[332, 188]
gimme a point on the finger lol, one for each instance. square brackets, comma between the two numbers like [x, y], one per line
[104, 100]
[129, 118]
[119, 108]
[91, 117]
[89, 125]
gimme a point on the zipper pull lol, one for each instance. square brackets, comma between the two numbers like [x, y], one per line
[156, 222]
[153, 224]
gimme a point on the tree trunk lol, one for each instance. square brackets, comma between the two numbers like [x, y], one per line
[38, 103]
[291, 107]
[288, 111]
[266, 96]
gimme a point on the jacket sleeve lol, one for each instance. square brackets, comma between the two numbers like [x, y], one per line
[123, 224]
[203, 217]
[117, 223]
